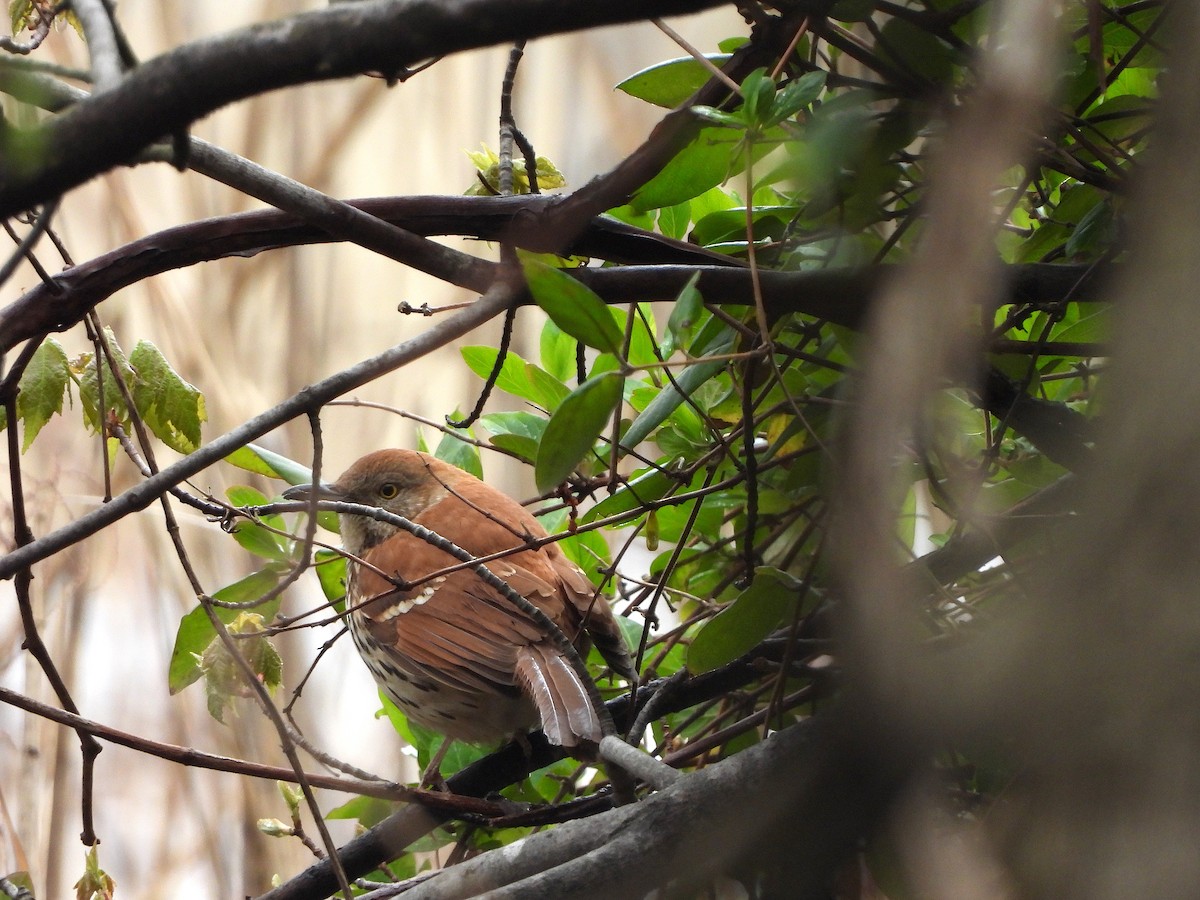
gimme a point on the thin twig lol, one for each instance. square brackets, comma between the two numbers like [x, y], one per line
[189, 756]
[696, 54]
[89, 747]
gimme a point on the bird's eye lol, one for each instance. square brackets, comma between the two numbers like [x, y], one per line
[388, 490]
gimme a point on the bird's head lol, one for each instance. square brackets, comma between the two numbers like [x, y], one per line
[403, 482]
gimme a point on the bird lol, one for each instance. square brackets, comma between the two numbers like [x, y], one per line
[451, 651]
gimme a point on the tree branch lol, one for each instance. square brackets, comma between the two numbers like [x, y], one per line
[661, 266]
[166, 94]
[312, 397]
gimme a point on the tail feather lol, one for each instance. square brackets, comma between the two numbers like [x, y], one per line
[562, 700]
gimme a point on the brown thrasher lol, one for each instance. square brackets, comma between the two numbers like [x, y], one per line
[451, 651]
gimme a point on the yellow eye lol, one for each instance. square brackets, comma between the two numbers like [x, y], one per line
[388, 490]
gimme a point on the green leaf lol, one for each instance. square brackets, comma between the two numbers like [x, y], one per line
[18, 12]
[796, 96]
[427, 742]
[522, 424]
[519, 378]
[673, 221]
[196, 632]
[742, 625]
[266, 662]
[670, 83]
[852, 10]
[90, 384]
[43, 386]
[254, 537]
[1093, 324]
[223, 678]
[650, 485]
[512, 376]
[718, 117]
[631, 216]
[758, 95]
[574, 307]
[643, 337]
[730, 224]
[331, 573]
[587, 549]
[574, 427]
[1048, 237]
[670, 397]
[523, 448]
[487, 162]
[1076, 202]
[262, 461]
[172, 408]
[1096, 231]
[369, 811]
[459, 453]
[702, 164]
[917, 49]
[515, 432]
[557, 351]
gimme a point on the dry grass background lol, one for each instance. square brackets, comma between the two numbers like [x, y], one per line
[249, 333]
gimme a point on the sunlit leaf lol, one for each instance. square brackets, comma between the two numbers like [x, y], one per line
[93, 384]
[519, 378]
[670, 83]
[196, 632]
[262, 461]
[706, 162]
[43, 388]
[172, 408]
[224, 679]
[647, 487]
[557, 350]
[672, 395]
[330, 567]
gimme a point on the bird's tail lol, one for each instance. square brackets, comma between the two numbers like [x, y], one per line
[561, 697]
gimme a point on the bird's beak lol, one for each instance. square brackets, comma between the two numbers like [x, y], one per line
[313, 491]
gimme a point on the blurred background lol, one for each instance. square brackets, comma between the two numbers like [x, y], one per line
[249, 333]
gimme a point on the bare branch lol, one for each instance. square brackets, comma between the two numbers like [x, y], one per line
[166, 94]
[312, 397]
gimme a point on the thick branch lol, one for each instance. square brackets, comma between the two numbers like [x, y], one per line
[167, 93]
[64, 300]
[391, 837]
[662, 266]
[790, 806]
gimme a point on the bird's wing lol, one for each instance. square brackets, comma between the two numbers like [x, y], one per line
[487, 521]
[457, 627]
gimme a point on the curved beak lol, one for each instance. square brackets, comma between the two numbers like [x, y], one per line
[313, 491]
